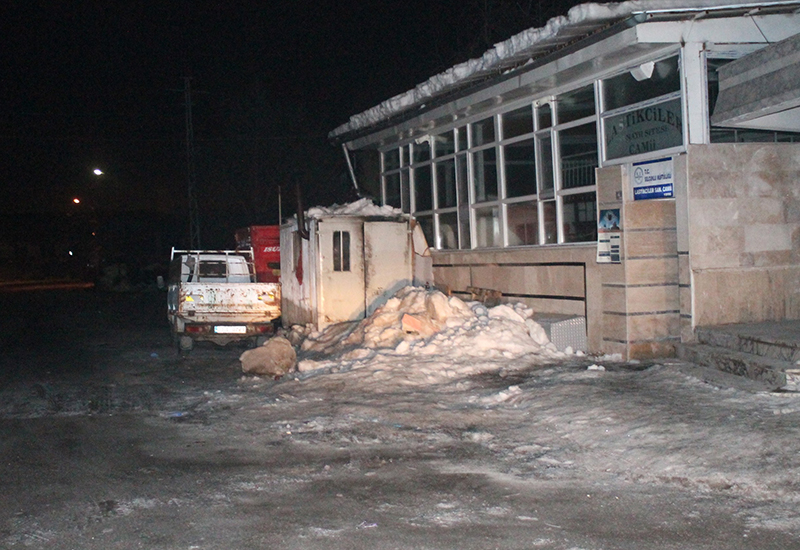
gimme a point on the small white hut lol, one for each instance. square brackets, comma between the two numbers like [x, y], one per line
[341, 263]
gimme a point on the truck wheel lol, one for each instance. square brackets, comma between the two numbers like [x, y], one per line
[185, 344]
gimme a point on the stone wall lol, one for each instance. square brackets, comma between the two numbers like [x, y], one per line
[743, 215]
[641, 310]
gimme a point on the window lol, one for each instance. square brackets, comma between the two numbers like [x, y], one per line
[341, 251]
[423, 192]
[482, 132]
[212, 269]
[520, 168]
[525, 176]
[647, 81]
[484, 174]
[578, 155]
[518, 122]
[523, 223]
[643, 110]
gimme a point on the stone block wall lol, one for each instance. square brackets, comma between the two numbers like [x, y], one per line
[743, 216]
[641, 299]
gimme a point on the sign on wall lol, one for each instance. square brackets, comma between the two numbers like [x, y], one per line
[609, 231]
[644, 130]
[653, 179]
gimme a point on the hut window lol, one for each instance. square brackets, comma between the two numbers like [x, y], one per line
[341, 251]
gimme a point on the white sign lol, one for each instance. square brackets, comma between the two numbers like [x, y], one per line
[653, 179]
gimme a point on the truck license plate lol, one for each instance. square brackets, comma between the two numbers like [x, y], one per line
[228, 329]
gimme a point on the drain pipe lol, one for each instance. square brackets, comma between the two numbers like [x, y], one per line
[301, 215]
[350, 168]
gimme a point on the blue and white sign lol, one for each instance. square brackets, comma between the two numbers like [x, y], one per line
[653, 179]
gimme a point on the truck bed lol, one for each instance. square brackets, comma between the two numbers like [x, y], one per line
[229, 302]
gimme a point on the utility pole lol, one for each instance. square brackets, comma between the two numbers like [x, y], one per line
[194, 221]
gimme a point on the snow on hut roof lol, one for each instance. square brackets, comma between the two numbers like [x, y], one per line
[362, 207]
[580, 21]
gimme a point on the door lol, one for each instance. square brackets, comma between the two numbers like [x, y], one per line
[388, 263]
[341, 268]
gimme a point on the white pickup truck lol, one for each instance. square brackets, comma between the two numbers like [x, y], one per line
[212, 297]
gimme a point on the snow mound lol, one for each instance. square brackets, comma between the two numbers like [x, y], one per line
[445, 336]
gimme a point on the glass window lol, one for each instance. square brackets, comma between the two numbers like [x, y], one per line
[487, 226]
[392, 189]
[426, 223]
[544, 116]
[517, 122]
[448, 230]
[647, 81]
[341, 251]
[483, 132]
[546, 177]
[549, 219]
[405, 191]
[578, 155]
[212, 269]
[446, 183]
[579, 218]
[463, 202]
[444, 144]
[575, 104]
[462, 138]
[391, 159]
[423, 193]
[484, 174]
[520, 168]
[422, 152]
[644, 130]
[523, 223]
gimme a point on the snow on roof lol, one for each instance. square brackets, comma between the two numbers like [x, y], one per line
[580, 20]
[361, 207]
[420, 336]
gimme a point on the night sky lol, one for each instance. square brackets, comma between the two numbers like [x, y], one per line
[100, 84]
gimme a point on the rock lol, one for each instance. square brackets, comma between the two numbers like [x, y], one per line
[275, 358]
[419, 324]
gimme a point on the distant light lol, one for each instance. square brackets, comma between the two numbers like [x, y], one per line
[98, 172]
[76, 200]
[70, 252]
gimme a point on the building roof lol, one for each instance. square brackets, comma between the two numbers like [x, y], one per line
[580, 22]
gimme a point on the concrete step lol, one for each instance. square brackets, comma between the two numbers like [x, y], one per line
[754, 339]
[767, 370]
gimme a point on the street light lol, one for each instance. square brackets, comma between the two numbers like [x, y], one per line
[98, 172]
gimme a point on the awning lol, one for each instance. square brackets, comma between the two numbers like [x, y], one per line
[761, 90]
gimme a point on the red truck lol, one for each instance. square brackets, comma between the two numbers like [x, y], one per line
[265, 240]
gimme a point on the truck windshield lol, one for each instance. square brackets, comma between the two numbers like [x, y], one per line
[213, 269]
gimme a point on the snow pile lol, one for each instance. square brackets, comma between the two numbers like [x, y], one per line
[423, 336]
[580, 19]
[361, 207]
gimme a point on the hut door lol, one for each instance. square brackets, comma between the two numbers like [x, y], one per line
[387, 261]
[341, 289]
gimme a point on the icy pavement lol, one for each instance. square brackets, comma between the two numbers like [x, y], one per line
[477, 435]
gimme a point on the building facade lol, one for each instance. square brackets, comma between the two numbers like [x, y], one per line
[581, 168]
